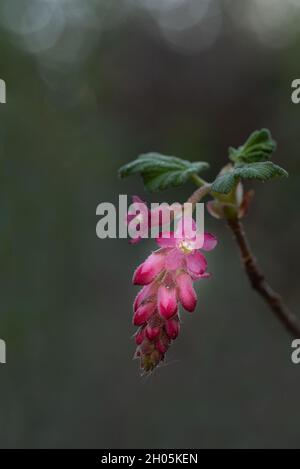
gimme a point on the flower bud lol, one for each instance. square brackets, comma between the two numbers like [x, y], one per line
[143, 313]
[139, 336]
[161, 347]
[149, 269]
[186, 293]
[166, 301]
[152, 332]
[172, 328]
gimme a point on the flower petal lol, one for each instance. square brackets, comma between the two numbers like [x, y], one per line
[149, 269]
[139, 336]
[196, 263]
[162, 215]
[137, 200]
[200, 276]
[135, 240]
[143, 314]
[210, 242]
[172, 327]
[135, 208]
[186, 293]
[152, 332]
[130, 217]
[166, 240]
[166, 301]
[161, 347]
[174, 259]
[186, 228]
[144, 294]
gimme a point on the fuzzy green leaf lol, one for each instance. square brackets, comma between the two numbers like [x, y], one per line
[161, 172]
[262, 171]
[257, 148]
[224, 183]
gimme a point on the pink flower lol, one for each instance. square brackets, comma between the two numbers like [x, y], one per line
[167, 275]
[144, 219]
[183, 248]
[149, 269]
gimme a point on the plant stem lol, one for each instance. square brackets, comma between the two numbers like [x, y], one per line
[258, 281]
[198, 180]
[201, 192]
[256, 277]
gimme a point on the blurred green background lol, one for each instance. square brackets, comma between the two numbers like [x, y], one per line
[91, 84]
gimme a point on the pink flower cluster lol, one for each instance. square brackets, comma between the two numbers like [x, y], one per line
[167, 277]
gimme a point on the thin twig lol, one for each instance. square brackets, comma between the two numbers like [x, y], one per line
[199, 194]
[256, 277]
[259, 283]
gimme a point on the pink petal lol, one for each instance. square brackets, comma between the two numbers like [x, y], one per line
[210, 242]
[200, 276]
[196, 263]
[137, 200]
[174, 259]
[135, 240]
[161, 215]
[130, 217]
[147, 271]
[135, 207]
[161, 347]
[172, 327]
[139, 207]
[186, 293]
[145, 293]
[140, 336]
[152, 332]
[166, 240]
[167, 302]
[132, 213]
[186, 228]
[143, 314]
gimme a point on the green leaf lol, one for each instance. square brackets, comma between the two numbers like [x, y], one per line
[263, 171]
[224, 183]
[160, 172]
[257, 148]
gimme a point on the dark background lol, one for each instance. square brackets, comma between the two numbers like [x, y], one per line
[90, 85]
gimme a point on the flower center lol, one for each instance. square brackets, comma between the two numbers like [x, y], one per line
[186, 246]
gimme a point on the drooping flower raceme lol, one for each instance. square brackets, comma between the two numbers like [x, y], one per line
[167, 277]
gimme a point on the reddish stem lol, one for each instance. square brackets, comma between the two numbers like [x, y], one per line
[259, 283]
